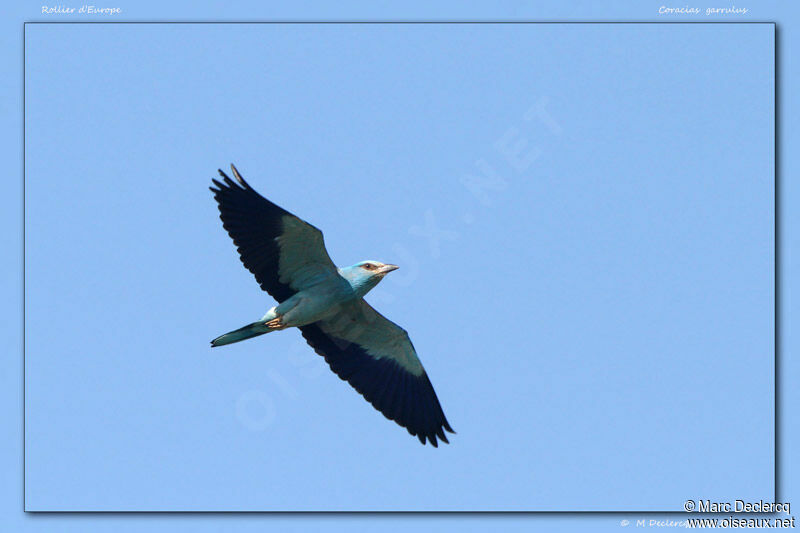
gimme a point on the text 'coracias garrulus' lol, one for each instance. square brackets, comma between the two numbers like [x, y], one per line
[288, 258]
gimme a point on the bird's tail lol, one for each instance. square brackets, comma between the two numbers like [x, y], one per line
[249, 331]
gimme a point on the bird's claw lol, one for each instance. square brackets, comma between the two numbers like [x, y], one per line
[275, 323]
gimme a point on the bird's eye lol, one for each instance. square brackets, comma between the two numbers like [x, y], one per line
[367, 266]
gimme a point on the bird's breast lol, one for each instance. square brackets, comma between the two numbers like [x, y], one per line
[315, 303]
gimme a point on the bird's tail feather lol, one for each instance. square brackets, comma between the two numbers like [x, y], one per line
[249, 331]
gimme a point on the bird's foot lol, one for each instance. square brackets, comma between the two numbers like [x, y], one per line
[275, 323]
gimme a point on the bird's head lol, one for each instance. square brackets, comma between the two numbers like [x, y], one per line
[365, 275]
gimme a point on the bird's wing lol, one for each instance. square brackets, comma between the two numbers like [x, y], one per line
[284, 252]
[377, 358]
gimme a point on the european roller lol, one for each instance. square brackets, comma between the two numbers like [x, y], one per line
[287, 256]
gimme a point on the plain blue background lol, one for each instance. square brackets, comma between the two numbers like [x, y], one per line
[12, 379]
[587, 315]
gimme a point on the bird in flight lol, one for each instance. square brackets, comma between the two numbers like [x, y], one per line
[287, 256]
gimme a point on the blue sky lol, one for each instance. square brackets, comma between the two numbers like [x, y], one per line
[585, 305]
[625, 265]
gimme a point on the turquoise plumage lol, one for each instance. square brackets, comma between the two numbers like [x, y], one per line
[287, 256]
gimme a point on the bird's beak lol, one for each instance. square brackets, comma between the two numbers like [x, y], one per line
[385, 269]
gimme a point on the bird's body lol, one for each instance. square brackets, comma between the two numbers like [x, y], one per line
[323, 299]
[317, 302]
[288, 257]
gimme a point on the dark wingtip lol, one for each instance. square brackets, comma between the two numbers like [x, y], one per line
[238, 176]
